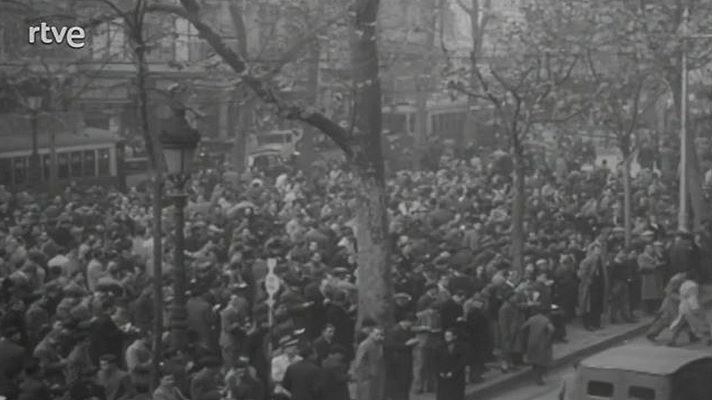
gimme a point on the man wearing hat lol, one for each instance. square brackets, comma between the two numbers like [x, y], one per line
[116, 383]
[12, 356]
[336, 375]
[303, 378]
[207, 382]
[241, 385]
[288, 356]
[398, 353]
[337, 315]
[682, 253]
[323, 343]
[232, 322]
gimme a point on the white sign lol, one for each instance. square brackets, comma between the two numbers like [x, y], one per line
[272, 282]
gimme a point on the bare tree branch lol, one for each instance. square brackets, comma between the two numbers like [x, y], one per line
[190, 11]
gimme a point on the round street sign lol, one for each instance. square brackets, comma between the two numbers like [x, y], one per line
[272, 284]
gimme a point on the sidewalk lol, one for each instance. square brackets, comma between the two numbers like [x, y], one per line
[581, 343]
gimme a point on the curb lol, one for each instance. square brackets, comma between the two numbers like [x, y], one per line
[526, 374]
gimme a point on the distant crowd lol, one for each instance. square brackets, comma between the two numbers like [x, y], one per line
[76, 299]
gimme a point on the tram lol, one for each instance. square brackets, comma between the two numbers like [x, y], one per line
[445, 119]
[93, 156]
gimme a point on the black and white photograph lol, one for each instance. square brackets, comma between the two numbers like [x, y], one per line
[355, 199]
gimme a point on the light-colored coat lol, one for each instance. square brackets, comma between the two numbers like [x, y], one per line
[690, 309]
[370, 370]
[539, 346]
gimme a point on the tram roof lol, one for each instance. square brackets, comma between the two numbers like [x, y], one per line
[86, 136]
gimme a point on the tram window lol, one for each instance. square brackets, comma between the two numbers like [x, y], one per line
[20, 170]
[76, 163]
[62, 165]
[89, 163]
[46, 163]
[5, 171]
[104, 162]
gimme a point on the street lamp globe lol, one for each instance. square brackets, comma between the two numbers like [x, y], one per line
[179, 142]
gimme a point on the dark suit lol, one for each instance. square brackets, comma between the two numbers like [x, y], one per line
[12, 357]
[399, 363]
[451, 372]
[321, 347]
[303, 380]
[335, 380]
[449, 313]
[34, 389]
[344, 333]
[105, 338]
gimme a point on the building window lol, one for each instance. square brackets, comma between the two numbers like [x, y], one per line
[109, 42]
[104, 162]
[89, 163]
[62, 165]
[19, 165]
[600, 389]
[76, 164]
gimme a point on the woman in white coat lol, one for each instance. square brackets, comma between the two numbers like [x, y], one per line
[691, 315]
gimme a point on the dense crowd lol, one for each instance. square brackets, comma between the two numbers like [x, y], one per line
[76, 300]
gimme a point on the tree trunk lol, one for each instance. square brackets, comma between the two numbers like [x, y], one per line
[518, 204]
[306, 146]
[239, 159]
[627, 213]
[156, 164]
[696, 197]
[243, 127]
[374, 273]
[157, 269]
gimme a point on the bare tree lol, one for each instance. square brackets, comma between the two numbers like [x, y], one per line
[528, 78]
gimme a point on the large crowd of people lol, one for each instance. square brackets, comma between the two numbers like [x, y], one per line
[76, 299]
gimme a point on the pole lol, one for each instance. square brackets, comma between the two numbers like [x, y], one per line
[53, 161]
[179, 315]
[157, 278]
[35, 168]
[683, 215]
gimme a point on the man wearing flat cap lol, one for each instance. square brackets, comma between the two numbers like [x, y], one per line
[116, 383]
[241, 385]
[207, 382]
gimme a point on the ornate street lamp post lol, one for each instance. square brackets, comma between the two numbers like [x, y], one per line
[179, 142]
[34, 104]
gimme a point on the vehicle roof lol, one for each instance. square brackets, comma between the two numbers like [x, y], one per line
[87, 136]
[653, 360]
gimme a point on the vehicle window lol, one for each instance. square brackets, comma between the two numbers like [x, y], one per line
[89, 163]
[104, 162]
[5, 171]
[46, 165]
[641, 393]
[62, 165]
[600, 389]
[270, 139]
[76, 163]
